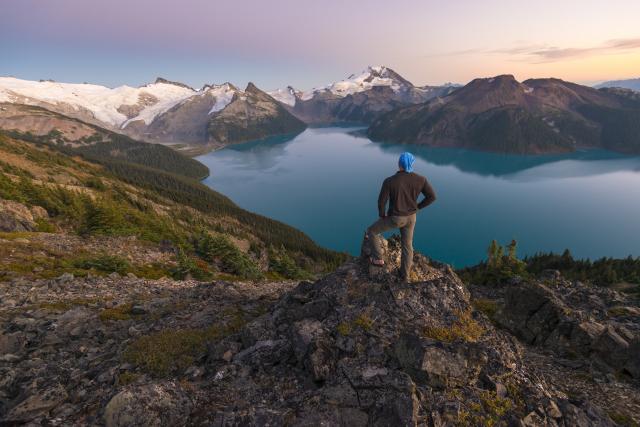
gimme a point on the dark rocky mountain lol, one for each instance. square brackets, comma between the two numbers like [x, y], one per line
[252, 114]
[502, 114]
[633, 84]
[360, 98]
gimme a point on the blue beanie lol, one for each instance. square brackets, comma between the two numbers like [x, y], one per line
[406, 161]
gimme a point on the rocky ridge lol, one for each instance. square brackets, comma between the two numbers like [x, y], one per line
[356, 347]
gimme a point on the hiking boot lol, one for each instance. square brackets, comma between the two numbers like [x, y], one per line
[412, 278]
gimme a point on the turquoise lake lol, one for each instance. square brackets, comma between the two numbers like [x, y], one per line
[325, 182]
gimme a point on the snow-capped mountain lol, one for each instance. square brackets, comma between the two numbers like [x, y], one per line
[373, 76]
[359, 98]
[187, 120]
[113, 108]
[162, 111]
[219, 115]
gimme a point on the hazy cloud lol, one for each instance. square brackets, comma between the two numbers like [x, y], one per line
[537, 53]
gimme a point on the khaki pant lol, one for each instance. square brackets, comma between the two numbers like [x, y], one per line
[406, 225]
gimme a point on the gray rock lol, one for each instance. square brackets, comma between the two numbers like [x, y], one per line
[632, 365]
[435, 364]
[65, 278]
[138, 310]
[149, 405]
[532, 312]
[267, 352]
[12, 342]
[37, 405]
[612, 348]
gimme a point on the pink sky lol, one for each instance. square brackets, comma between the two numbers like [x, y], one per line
[308, 43]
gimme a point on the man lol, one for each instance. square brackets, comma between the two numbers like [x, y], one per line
[401, 191]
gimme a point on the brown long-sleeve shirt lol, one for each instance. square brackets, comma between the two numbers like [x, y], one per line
[401, 191]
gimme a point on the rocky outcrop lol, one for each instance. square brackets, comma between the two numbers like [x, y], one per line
[574, 321]
[357, 347]
[15, 216]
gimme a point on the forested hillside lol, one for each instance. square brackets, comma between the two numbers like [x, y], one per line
[93, 193]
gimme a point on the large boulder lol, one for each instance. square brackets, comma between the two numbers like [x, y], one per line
[532, 312]
[160, 404]
[539, 315]
[15, 216]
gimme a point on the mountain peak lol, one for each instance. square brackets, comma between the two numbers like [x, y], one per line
[252, 88]
[161, 80]
[213, 86]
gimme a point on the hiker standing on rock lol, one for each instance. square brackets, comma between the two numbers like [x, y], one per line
[401, 191]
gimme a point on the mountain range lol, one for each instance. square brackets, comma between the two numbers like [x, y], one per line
[633, 84]
[532, 117]
[360, 98]
[215, 115]
[492, 114]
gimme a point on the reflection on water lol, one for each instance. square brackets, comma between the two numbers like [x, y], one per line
[325, 181]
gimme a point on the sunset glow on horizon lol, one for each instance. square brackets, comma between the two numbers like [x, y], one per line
[305, 44]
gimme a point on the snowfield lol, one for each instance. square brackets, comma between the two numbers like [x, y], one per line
[223, 95]
[101, 101]
[286, 96]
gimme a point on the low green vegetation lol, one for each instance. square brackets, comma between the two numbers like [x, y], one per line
[602, 272]
[170, 351]
[120, 312]
[623, 420]
[64, 305]
[127, 378]
[344, 328]
[463, 327]
[104, 263]
[487, 411]
[363, 321]
[190, 266]
[503, 265]
[285, 266]
[487, 306]
[219, 249]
